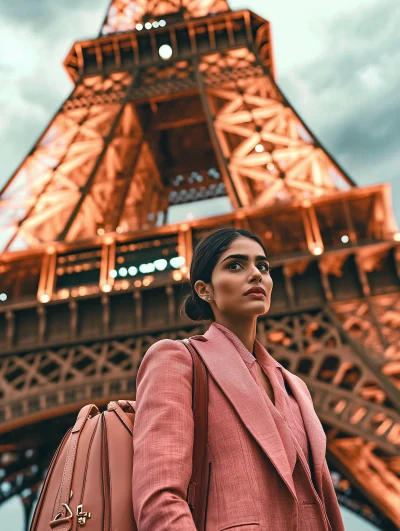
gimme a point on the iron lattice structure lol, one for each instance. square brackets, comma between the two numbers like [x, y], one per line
[94, 265]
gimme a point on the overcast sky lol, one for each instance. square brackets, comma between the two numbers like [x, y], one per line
[338, 62]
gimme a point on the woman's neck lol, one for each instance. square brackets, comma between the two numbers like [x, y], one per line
[244, 331]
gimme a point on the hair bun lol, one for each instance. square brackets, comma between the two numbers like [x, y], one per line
[197, 309]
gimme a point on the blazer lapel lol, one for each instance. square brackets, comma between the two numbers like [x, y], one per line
[230, 373]
[313, 427]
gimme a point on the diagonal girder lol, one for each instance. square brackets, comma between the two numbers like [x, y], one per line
[272, 156]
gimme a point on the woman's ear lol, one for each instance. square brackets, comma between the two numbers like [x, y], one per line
[201, 288]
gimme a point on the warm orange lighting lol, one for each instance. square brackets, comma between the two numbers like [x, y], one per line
[100, 232]
[259, 148]
[51, 249]
[125, 284]
[64, 294]
[108, 240]
[106, 288]
[317, 250]
[176, 275]
[44, 298]
[82, 290]
[396, 236]
[137, 283]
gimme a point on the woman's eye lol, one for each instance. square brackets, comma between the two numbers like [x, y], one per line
[265, 264]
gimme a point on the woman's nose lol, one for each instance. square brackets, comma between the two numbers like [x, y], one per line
[256, 272]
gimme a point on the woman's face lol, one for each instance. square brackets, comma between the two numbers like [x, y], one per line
[233, 276]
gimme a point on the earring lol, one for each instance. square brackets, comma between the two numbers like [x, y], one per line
[208, 298]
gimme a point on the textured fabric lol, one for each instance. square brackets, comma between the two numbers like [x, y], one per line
[289, 422]
[256, 480]
[285, 404]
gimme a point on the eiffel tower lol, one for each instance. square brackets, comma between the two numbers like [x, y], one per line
[176, 126]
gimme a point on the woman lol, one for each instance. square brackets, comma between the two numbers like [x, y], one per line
[266, 445]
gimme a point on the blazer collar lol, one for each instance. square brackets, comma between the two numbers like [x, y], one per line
[224, 362]
[263, 357]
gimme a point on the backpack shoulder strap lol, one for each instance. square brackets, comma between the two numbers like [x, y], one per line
[197, 489]
[63, 519]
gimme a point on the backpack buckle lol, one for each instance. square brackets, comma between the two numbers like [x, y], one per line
[82, 515]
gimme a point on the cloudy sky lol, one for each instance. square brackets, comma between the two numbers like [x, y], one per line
[338, 62]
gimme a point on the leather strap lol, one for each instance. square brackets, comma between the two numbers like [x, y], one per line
[62, 520]
[197, 489]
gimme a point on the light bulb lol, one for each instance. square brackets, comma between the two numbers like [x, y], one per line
[165, 51]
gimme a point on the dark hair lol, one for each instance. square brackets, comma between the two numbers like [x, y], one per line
[205, 256]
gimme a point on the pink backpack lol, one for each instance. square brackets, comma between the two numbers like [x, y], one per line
[97, 454]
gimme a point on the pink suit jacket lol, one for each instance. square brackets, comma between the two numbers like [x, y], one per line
[250, 481]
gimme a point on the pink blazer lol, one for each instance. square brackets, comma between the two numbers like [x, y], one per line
[250, 483]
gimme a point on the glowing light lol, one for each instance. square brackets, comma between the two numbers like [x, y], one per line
[317, 250]
[100, 232]
[132, 271]
[44, 298]
[108, 240]
[3, 297]
[148, 25]
[119, 230]
[51, 249]
[345, 238]
[125, 284]
[396, 236]
[106, 288]
[162, 23]
[146, 268]
[82, 290]
[165, 51]
[139, 27]
[123, 271]
[156, 24]
[160, 264]
[177, 261]
[259, 148]
[270, 166]
[176, 275]
[113, 273]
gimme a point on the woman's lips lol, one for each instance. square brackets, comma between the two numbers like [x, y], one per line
[256, 295]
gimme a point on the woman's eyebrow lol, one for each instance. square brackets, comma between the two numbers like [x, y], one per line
[245, 257]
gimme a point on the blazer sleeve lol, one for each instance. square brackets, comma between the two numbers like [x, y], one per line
[163, 439]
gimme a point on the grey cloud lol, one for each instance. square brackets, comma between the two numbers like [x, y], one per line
[356, 114]
[37, 13]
